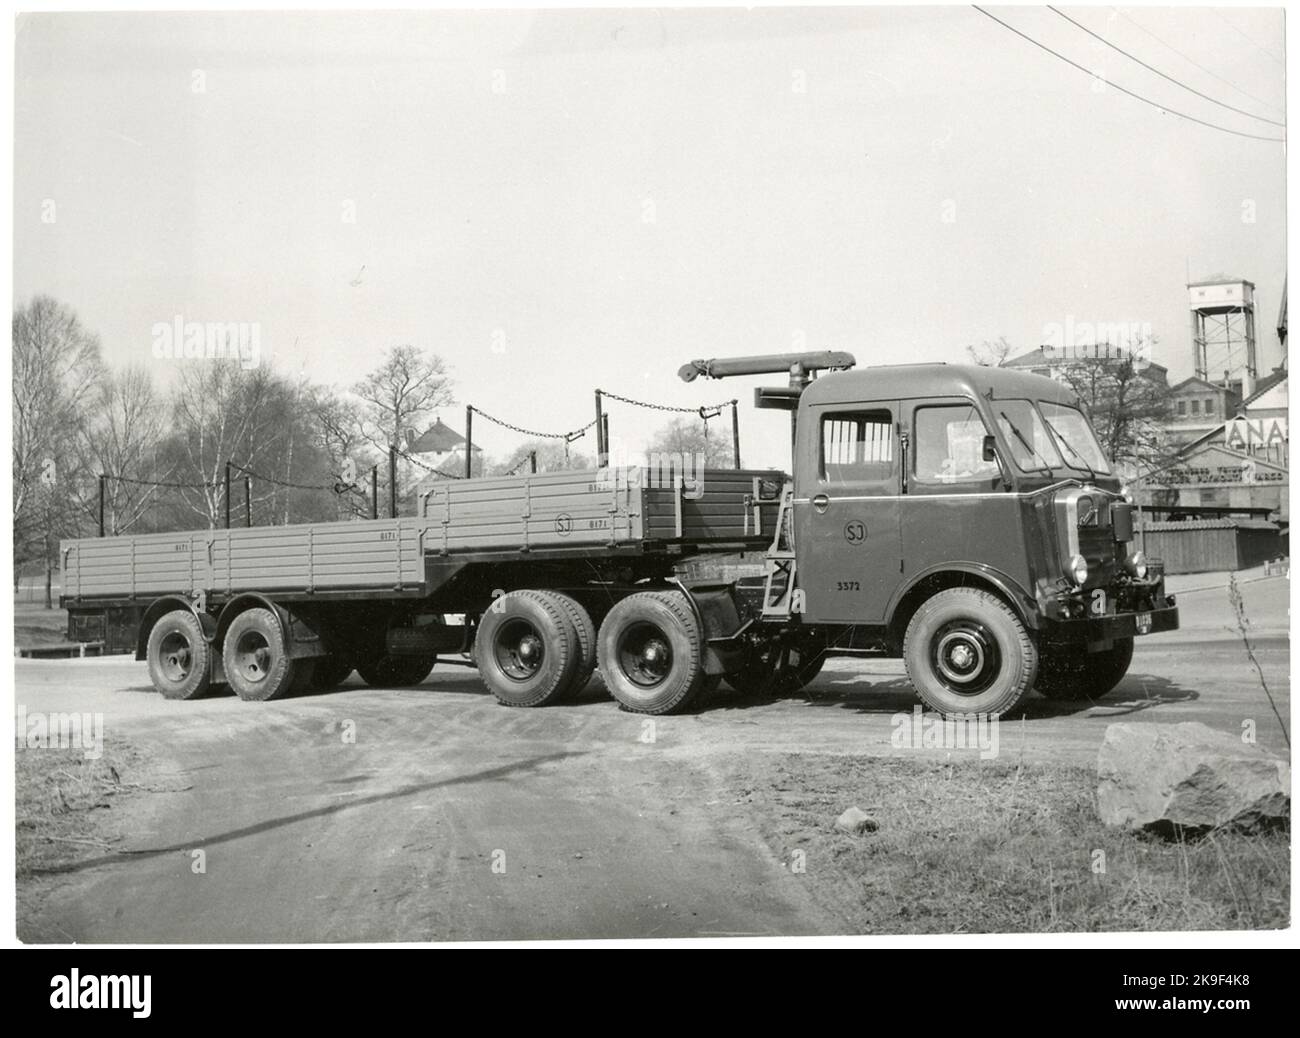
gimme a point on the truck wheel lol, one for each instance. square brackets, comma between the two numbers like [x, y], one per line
[759, 675]
[526, 649]
[651, 653]
[395, 671]
[331, 671]
[1073, 675]
[967, 653]
[584, 630]
[255, 657]
[179, 656]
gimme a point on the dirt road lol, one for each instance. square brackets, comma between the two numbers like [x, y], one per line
[435, 814]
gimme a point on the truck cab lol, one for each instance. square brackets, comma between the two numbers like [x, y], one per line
[966, 519]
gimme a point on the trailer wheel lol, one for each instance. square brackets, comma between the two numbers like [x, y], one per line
[331, 671]
[256, 658]
[585, 632]
[179, 656]
[967, 653]
[651, 653]
[1073, 675]
[395, 671]
[526, 649]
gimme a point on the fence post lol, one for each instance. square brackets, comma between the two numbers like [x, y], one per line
[469, 439]
[532, 461]
[248, 500]
[392, 481]
[227, 493]
[102, 480]
[600, 432]
[374, 491]
[735, 434]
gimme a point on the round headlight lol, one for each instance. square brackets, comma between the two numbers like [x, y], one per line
[1136, 564]
[1079, 570]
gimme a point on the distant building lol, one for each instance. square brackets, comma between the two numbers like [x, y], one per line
[439, 447]
[1055, 361]
[1197, 408]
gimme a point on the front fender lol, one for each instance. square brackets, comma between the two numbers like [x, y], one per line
[1020, 600]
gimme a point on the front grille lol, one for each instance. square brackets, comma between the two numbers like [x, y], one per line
[1097, 545]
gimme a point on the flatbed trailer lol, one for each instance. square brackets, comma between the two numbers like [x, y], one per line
[375, 594]
[965, 519]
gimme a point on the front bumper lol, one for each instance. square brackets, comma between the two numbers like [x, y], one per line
[1104, 629]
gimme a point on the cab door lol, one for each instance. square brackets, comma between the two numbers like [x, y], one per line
[846, 511]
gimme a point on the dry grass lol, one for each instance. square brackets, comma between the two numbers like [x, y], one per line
[64, 802]
[993, 847]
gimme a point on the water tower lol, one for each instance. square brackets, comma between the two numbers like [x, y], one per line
[1223, 331]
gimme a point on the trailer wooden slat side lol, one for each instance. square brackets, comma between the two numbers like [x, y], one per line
[508, 517]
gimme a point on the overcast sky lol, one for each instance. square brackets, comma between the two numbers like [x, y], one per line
[559, 201]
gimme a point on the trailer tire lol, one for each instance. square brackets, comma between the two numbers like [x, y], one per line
[1074, 675]
[395, 671]
[651, 653]
[179, 656]
[256, 658]
[585, 632]
[526, 649]
[771, 675]
[967, 653]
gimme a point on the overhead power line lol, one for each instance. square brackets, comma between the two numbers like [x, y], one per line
[1171, 79]
[1124, 90]
[1259, 47]
[1196, 64]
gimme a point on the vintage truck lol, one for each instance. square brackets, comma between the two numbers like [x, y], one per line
[963, 518]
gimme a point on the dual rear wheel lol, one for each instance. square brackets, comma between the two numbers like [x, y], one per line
[534, 648]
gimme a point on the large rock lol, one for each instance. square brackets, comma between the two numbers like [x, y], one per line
[1172, 778]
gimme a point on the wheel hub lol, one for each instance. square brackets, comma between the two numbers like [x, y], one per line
[965, 657]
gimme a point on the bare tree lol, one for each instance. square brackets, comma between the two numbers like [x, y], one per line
[552, 456]
[407, 385]
[1128, 401]
[692, 436]
[120, 432]
[55, 366]
[990, 354]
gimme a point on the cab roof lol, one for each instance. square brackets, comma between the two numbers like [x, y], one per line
[910, 381]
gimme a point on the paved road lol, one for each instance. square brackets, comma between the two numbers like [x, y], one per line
[310, 836]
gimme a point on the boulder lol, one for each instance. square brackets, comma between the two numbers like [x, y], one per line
[856, 822]
[1177, 778]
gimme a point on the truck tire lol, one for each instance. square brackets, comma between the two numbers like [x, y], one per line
[759, 675]
[331, 671]
[651, 653]
[179, 656]
[967, 653]
[526, 649]
[256, 659]
[585, 631]
[395, 671]
[1074, 675]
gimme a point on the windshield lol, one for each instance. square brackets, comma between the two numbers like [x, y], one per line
[1078, 443]
[1032, 447]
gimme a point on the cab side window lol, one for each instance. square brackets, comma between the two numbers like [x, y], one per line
[857, 447]
[950, 445]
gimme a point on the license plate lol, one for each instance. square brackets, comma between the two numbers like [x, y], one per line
[1144, 623]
